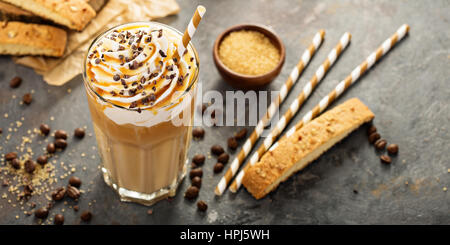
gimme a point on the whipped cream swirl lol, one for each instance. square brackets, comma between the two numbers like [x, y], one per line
[135, 66]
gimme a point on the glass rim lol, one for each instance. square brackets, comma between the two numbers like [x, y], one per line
[101, 35]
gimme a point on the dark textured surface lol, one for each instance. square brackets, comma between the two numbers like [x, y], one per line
[408, 91]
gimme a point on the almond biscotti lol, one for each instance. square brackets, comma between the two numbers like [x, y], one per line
[75, 14]
[304, 146]
[18, 38]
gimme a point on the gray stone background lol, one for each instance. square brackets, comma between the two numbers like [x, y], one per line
[408, 91]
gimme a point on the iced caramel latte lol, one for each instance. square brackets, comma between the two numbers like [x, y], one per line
[141, 96]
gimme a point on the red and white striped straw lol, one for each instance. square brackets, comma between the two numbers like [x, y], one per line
[249, 143]
[349, 80]
[190, 30]
[293, 109]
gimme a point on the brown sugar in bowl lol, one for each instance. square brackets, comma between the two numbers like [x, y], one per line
[243, 81]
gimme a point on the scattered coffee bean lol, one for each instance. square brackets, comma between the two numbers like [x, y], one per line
[191, 192]
[198, 132]
[1, 130]
[374, 137]
[59, 194]
[197, 181]
[30, 166]
[355, 191]
[217, 150]
[196, 172]
[27, 190]
[15, 82]
[380, 144]
[76, 208]
[202, 206]
[199, 159]
[232, 143]
[61, 144]
[79, 133]
[372, 129]
[75, 181]
[86, 216]
[218, 167]
[45, 129]
[10, 156]
[223, 158]
[385, 159]
[392, 149]
[15, 163]
[41, 213]
[27, 98]
[60, 134]
[241, 134]
[59, 219]
[49, 205]
[42, 159]
[73, 192]
[51, 148]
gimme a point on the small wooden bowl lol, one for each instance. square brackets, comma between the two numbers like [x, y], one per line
[242, 81]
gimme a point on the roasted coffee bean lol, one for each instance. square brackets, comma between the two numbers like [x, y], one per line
[75, 181]
[27, 98]
[41, 213]
[10, 156]
[232, 143]
[218, 167]
[372, 129]
[73, 192]
[199, 159]
[76, 208]
[392, 149]
[30, 166]
[15, 163]
[59, 219]
[45, 129]
[59, 194]
[60, 134]
[15, 82]
[86, 216]
[197, 181]
[217, 150]
[42, 159]
[51, 148]
[202, 206]
[1, 130]
[380, 144]
[61, 144]
[198, 132]
[191, 192]
[79, 133]
[385, 159]
[196, 172]
[374, 137]
[223, 158]
[241, 134]
[27, 190]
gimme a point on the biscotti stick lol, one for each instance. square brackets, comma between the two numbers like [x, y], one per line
[271, 110]
[304, 146]
[75, 14]
[17, 38]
